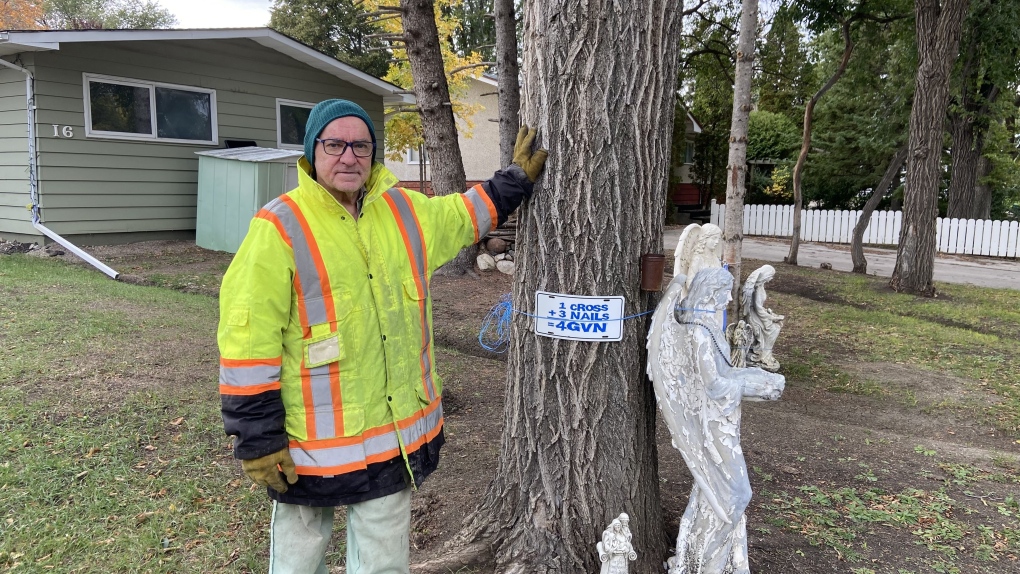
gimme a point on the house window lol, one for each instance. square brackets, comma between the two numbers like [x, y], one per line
[689, 153]
[120, 108]
[414, 156]
[291, 119]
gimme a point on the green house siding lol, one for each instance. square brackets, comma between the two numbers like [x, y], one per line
[100, 186]
[15, 220]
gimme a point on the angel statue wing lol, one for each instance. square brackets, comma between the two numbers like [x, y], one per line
[670, 369]
[685, 249]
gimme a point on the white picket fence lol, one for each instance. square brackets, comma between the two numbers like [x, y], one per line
[962, 236]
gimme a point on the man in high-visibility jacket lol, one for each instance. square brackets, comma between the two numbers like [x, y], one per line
[327, 378]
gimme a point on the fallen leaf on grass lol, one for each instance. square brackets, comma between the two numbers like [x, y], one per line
[81, 475]
[177, 421]
[149, 447]
[141, 518]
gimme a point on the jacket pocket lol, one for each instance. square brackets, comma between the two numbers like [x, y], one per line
[325, 346]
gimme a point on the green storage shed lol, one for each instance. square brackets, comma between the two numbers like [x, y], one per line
[233, 184]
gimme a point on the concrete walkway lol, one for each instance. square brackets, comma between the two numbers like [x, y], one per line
[967, 269]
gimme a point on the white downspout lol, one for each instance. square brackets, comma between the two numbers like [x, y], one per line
[33, 177]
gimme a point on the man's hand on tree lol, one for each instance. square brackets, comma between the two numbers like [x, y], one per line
[266, 471]
[531, 162]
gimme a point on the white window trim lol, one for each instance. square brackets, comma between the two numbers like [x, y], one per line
[152, 137]
[409, 161]
[279, 130]
[689, 146]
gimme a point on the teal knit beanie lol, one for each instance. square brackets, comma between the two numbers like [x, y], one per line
[327, 111]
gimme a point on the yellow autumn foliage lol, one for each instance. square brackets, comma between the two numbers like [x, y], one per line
[403, 129]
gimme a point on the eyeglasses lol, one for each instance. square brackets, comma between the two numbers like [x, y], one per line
[339, 147]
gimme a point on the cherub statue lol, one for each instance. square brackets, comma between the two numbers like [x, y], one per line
[764, 323]
[616, 550]
[699, 394]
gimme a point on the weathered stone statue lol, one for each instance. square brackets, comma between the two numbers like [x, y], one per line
[763, 322]
[699, 247]
[699, 394]
[615, 549]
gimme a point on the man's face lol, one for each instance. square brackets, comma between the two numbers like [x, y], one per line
[344, 173]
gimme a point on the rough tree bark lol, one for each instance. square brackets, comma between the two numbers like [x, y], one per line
[857, 243]
[438, 126]
[509, 85]
[968, 198]
[939, 26]
[578, 443]
[805, 146]
[733, 233]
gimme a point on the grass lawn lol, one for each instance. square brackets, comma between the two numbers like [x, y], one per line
[113, 457]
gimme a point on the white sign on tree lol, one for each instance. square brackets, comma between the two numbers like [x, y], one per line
[578, 318]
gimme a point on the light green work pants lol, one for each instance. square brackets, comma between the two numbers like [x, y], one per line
[378, 537]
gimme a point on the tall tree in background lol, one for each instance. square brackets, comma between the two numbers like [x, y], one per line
[508, 78]
[821, 15]
[939, 25]
[20, 14]
[109, 14]
[863, 119]
[736, 166]
[784, 78]
[989, 65]
[706, 85]
[477, 30]
[337, 28]
[578, 443]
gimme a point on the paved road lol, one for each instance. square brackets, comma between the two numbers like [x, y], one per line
[969, 269]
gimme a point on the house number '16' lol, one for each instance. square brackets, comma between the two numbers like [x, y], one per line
[66, 131]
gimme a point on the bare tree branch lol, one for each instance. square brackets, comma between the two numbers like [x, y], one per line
[469, 66]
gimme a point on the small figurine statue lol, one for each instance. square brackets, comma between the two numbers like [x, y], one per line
[764, 323]
[740, 337]
[699, 393]
[616, 550]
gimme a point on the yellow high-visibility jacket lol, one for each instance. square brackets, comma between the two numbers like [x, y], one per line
[325, 331]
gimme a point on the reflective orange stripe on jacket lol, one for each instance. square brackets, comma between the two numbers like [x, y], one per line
[320, 385]
[342, 455]
[414, 242]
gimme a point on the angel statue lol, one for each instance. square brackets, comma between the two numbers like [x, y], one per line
[616, 550]
[764, 323]
[699, 394]
[699, 247]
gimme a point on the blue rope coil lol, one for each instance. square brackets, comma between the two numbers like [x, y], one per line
[494, 335]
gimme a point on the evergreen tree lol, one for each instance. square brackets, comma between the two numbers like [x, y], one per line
[337, 28]
[784, 80]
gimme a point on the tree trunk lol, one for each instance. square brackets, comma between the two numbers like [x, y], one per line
[733, 234]
[578, 444]
[438, 126]
[965, 156]
[433, 95]
[857, 244]
[509, 86]
[983, 191]
[938, 39]
[805, 146]
[968, 198]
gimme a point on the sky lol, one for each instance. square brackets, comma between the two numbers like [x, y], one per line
[219, 13]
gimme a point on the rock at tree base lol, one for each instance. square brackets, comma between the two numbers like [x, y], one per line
[496, 245]
[485, 262]
[505, 266]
